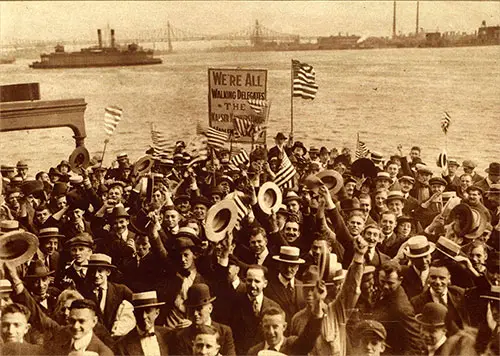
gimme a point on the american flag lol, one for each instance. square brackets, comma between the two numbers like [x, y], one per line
[161, 145]
[285, 173]
[240, 158]
[445, 122]
[242, 208]
[304, 80]
[215, 137]
[361, 149]
[112, 116]
[258, 105]
[243, 127]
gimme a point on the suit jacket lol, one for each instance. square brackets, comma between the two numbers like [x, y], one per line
[411, 204]
[130, 344]
[291, 303]
[115, 247]
[61, 345]
[396, 313]
[245, 324]
[295, 345]
[24, 349]
[116, 293]
[140, 275]
[412, 284]
[181, 342]
[456, 304]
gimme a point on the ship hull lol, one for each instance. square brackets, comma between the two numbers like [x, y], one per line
[40, 65]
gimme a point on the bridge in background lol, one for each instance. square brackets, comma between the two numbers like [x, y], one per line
[256, 34]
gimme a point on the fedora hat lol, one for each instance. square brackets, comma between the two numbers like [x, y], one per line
[311, 275]
[77, 201]
[329, 268]
[59, 188]
[348, 205]
[18, 247]
[280, 136]
[463, 213]
[83, 239]
[220, 219]
[30, 187]
[433, 314]
[299, 144]
[140, 222]
[143, 165]
[5, 286]
[418, 246]
[145, 299]
[442, 160]
[479, 222]
[493, 169]
[198, 294]
[269, 198]
[493, 293]
[79, 159]
[313, 183]
[37, 269]
[468, 163]
[99, 260]
[49, 232]
[118, 212]
[448, 247]
[332, 179]
[289, 254]
[21, 165]
[200, 200]
[363, 167]
[55, 172]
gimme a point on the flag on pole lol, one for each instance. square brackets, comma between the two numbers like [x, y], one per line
[285, 173]
[240, 158]
[216, 138]
[112, 116]
[243, 127]
[257, 105]
[161, 145]
[304, 80]
[361, 149]
[445, 122]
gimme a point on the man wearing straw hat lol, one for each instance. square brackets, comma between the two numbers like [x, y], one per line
[146, 338]
[199, 309]
[419, 252]
[284, 288]
[108, 296]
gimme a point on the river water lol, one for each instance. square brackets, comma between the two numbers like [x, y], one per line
[389, 96]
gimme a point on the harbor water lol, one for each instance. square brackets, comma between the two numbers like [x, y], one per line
[389, 96]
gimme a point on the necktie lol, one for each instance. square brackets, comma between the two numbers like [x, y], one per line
[256, 258]
[99, 297]
[47, 262]
[442, 301]
[255, 307]
[272, 348]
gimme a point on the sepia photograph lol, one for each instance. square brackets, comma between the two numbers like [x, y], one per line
[265, 178]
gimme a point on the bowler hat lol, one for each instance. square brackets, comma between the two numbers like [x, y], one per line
[118, 212]
[145, 300]
[493, 169]
[289, 254]
[363, 167]
[197, 295]
[59, 188]
[99, 260]
[30, 187]
[299, 144]
[280, 136]
[201, 200]
[418, 246]
[433, 314]
[37, 269]
[269, 197]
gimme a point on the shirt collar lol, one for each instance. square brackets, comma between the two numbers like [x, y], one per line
[277, 347]
[142, 333]
[263, 254]
[82, 343]
[260, 299]
[236, 282]
[285, 282]
[103, 287]
[435, 295]
[439, 344]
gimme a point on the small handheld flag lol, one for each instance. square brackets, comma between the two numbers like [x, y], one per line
[112, 117]
[304, 80]
[445, 122]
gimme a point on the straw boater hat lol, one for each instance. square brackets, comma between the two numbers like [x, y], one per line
[49, 232]
[5, 286]
[79, 158]
[8, 226]
[493, 293]
[383, 176]
[448, 247]
[418, 246]
[18, 246]
[433, 315]
[290, 196]
[332, 179]
[442, 160]
[220, 219]
[145, 300]
[408, 179]
[197, 295]
[289, 254]
[143, 165]
[330, 269]
[99, 260]
[269, 198]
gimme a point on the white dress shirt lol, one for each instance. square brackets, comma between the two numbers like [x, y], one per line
[436, 297]
[260, 299]
[432, 350]
[262, 256]
[277, 347]
[82, 343]
[286, 282]
[102, 303]
[149, 344]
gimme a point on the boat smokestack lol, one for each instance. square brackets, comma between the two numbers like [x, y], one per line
[99, 37]
[112, 38]
[394, 21]
[416, 26]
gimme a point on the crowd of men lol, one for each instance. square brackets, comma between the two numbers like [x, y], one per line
[374, 256]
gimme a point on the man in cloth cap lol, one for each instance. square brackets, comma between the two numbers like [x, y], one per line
[421, 189]
[370, 338]
[199, 309]
[146, 338]
[79, 249]
[112, 299]
[22, 170]
[284, 288]
[469, 167]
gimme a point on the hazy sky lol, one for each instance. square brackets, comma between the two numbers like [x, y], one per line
[80, 19]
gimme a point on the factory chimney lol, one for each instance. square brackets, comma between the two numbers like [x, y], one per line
[416, 26]
[99, 37]
[394, 21]
[112, 38]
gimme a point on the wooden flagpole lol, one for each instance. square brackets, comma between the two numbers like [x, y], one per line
[104, 151]
[291, 100]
